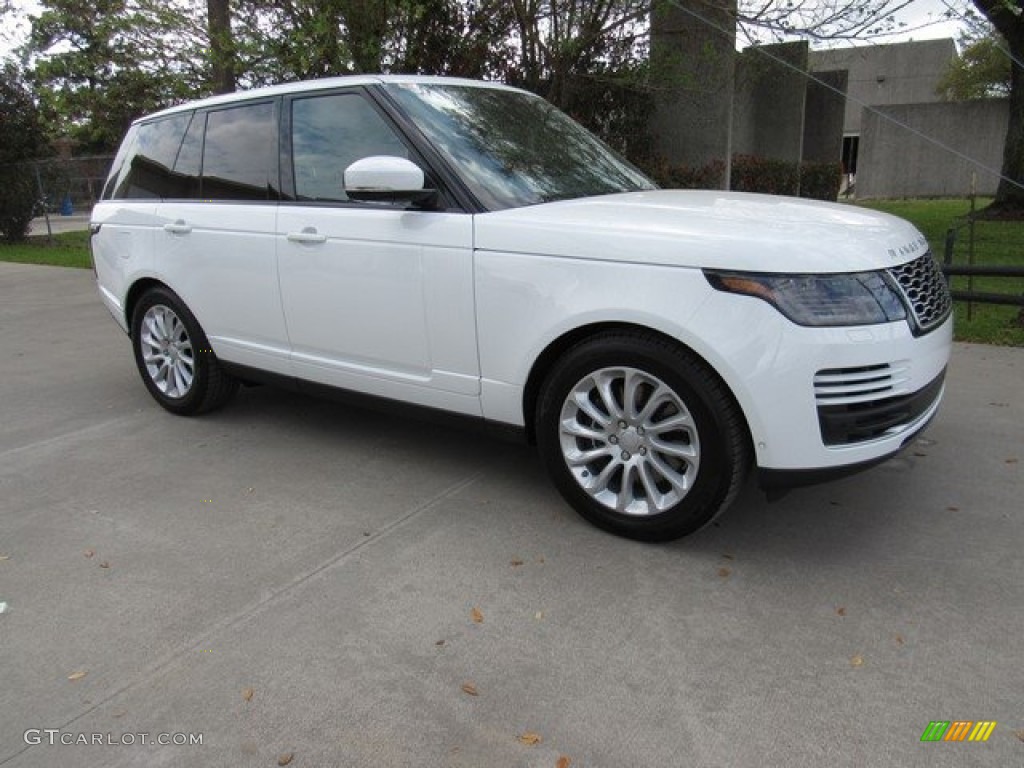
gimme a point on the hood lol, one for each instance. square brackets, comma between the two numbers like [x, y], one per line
[720, 230]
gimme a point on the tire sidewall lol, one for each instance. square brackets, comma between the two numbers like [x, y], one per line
[191, 402]
[678, 371]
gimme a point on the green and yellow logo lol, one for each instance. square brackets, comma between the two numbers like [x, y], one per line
[958, 730]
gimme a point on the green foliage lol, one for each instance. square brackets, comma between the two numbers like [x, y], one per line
[981, 71]
[70, 249]
[757, 174]
[821, 181]
[99, 65]
[21, 138]
[682, 177]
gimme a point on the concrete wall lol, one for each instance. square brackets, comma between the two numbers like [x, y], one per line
[823, 117]
[900, 73]
[897, 162]
[769, 101]
[692, 67]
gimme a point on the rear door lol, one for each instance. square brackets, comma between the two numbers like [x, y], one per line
[215, 236]
[377, 298]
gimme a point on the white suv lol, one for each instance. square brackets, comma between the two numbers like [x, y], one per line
[464, 246]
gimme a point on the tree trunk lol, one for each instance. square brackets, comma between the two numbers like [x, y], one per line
[1010, 193]
[222, 52]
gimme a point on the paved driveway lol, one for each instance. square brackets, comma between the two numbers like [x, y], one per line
[290, 576]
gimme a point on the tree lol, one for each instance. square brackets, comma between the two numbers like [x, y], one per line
[21, 139]
[99, 65]
[981, 71]
[1007, 16]
[222, 53]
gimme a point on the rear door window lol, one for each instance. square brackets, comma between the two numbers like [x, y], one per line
[240, 154]
[145, 172]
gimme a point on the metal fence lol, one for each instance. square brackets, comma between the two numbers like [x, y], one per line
[999, 281]
[63, 185]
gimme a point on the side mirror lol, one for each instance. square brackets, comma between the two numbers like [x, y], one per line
[383, 178]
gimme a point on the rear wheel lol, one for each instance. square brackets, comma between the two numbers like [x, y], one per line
[174, 357]
[640, 437]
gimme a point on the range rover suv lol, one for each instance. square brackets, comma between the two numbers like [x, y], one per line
[465, 247]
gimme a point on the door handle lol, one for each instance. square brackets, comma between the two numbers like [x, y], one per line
[307, 235]
[178, 228]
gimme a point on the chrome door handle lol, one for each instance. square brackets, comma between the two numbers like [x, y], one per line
[178, 228]
[307, 235]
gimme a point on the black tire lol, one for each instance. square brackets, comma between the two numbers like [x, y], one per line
[690, 444]
[169, 344]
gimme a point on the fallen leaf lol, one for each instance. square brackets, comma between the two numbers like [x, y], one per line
[104, 564]
[563, 762]
[857, 661]
[515, 563]
[530, 738]
[899, 639]
[724, 572]
[1019, 734]
[1011, 461]
[470, 689]
[74, 677]
[248, 693]
[835, 504]
[439, 643]
[540, 560]
[952, 509]
[840, 611]
[89, 552]
[477, 616]
[286, 758]
[728, 557]
[920, 453]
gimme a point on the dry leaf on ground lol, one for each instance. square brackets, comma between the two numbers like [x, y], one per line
[1019, 734]
[248, 693]
[470, 689]
[840, 611]
[74, 677]
[724, 573]
[857, 661]
[563, 762]
[899, 640]
[530, 738]
[104, 564]
[515, 563]
[286, 758]
[89, 552]
[477, 616]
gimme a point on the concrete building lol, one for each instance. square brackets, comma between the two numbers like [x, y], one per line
[881, 76]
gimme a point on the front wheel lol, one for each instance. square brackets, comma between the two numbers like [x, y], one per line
[640, 437]
[174, 357]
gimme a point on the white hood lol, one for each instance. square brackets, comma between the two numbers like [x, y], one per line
[723, 230]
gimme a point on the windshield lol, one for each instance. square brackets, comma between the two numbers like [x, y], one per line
[513, 148]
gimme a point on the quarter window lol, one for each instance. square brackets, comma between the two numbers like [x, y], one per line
[146, 171]
[331, 132]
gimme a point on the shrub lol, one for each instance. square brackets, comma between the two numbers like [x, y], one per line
[17, 201]
[757, 174]
[821, 181]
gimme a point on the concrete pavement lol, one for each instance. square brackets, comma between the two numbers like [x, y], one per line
[291, 576]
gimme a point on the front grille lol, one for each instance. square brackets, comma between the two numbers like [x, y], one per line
[925, 291]
[845, 386]
[856, 421]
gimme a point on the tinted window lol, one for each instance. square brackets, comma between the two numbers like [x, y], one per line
[190, 156]
[513, 148]
[146, 169]
[329, 133]
[239, 153]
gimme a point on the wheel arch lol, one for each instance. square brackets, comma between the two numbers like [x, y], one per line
[138, 288]
[556, 348]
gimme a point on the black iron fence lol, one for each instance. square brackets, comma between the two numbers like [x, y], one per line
[63, 184]
[1000, 245]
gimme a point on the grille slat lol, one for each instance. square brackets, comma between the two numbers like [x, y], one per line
[925, 291]
[841, 386]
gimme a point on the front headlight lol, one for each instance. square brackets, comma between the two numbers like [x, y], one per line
[859, 298]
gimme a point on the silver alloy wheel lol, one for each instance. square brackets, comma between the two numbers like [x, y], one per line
[629, 441]
[167, 351]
